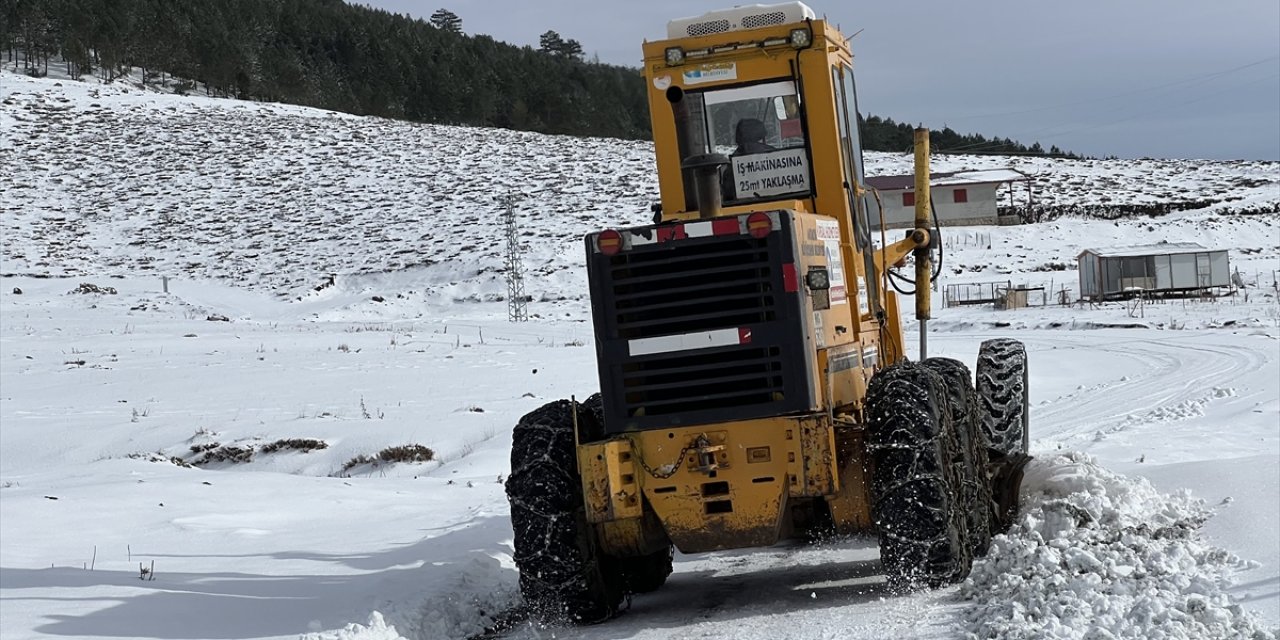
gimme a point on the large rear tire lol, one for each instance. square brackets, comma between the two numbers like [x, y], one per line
[975, 486]
[563, 576]
[915, 487]
[1002, 394]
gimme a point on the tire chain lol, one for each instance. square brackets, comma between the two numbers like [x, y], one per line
[556, 565]
[913, 445]
[977, 505]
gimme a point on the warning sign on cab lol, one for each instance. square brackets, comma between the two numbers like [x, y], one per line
[771, 174]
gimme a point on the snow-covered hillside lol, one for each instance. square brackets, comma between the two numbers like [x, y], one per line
[224, 436]
[117, 180]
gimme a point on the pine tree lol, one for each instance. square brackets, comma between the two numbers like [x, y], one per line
[446, 20]
[550, 42]
[571, 49]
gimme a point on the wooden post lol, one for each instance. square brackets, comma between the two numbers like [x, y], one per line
[1029, 214]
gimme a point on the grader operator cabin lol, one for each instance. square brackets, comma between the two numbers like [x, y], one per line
[754, 380]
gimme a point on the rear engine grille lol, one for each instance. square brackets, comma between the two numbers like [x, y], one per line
[699, 330]
[704, 379]
[698, 287]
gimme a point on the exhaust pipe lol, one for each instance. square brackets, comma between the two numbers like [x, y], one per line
[706, 170]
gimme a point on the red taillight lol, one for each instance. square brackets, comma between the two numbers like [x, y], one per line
[725, 227]
[790, 281]
[609, 242]
[759, 225]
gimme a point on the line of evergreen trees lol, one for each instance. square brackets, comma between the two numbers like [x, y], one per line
[883, 134]
[356, 59]
[328, 54]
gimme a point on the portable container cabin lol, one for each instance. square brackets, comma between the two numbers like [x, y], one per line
[1161, 269]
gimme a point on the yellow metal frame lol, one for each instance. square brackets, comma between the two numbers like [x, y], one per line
[720, 486]
[733, 484]
[753, 63]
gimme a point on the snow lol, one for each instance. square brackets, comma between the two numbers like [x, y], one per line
[1168, 248]
[1150, 510]
[1095, 551]
[979, 177]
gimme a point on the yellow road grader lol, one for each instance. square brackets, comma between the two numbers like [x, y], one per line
[755, 384]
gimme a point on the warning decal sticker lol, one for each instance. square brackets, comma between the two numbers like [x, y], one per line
[773, 173]
[829, 234]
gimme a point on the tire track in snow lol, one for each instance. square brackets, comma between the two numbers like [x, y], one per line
[767, 593]
[810, 592]
[1175, 372]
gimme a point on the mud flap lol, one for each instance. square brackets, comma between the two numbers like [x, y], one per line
[1005, 471]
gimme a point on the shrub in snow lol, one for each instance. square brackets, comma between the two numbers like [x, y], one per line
[305, 445]
[407, 453]
[159, 457]
[1096, 555]
[210, 452]
[87, 287]
[214, 452]
[403, 453]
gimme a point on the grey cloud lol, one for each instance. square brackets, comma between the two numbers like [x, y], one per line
[941, 63]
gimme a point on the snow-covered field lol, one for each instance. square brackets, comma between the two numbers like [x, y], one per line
[1151, 510]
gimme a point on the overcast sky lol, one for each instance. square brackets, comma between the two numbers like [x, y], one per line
[1159, 78]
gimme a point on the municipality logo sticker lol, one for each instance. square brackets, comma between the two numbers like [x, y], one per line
[711, 73]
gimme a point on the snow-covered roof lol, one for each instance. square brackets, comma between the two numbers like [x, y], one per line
[907, 181]
[1162, 249]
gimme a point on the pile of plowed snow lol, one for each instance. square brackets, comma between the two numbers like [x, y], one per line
[464, 604]
[377, 629]
[1097, 555]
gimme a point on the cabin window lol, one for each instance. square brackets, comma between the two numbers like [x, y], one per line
[909, 199]
[760, 128]
[960, 195]
[851, 149]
